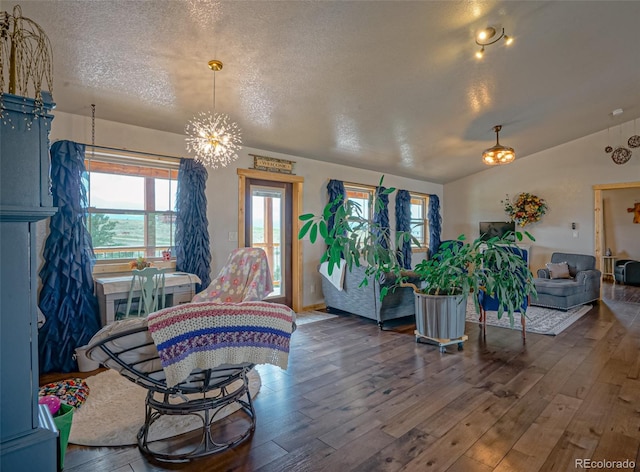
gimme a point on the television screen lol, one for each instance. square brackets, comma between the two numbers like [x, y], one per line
[492, 229]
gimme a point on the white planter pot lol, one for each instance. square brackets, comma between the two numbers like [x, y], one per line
[440, 316]
[84, 363]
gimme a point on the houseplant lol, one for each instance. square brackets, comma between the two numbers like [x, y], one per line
[460, 268]
[455, 270]
[352, 238]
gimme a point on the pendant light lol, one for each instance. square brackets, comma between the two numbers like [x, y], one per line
[212, 137]
[498, 154]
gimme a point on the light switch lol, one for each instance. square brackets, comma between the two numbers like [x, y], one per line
[575, 234]
[233, 235]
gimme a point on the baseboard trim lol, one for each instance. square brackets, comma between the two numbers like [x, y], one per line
[317, 306]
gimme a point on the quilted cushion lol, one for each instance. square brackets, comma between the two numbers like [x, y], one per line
[558, 287]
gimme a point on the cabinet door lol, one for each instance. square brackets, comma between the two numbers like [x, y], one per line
[24, 147]
[17, 328]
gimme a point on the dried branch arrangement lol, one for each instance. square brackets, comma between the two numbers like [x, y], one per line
[25, 56]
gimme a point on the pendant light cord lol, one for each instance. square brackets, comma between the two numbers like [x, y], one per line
[214, 93]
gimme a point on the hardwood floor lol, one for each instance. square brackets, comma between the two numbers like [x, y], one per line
[360, 399]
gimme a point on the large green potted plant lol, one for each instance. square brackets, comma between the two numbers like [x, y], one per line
[460, 269]
[457, 269]
[351, 237]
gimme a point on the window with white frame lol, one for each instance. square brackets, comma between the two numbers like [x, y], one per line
[419, 219]
[131, 206]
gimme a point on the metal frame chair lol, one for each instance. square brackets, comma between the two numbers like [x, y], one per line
[214, 389]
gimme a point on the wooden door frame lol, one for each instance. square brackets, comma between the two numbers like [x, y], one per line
[599, 216]
[297, 184]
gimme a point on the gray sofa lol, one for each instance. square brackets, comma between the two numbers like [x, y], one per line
[627, 271]
[582, 286]
[365, 301]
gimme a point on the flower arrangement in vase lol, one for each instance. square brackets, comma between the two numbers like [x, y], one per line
[139, 263]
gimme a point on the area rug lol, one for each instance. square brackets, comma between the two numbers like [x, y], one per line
[539, 320]
[312, 316]
[114, 412]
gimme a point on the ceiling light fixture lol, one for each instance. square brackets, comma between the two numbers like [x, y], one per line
[213, 137]
[488, 36]
[498, 154]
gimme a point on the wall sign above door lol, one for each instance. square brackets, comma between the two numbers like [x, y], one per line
[271, 164]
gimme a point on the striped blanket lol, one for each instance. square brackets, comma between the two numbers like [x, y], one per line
[207, 335]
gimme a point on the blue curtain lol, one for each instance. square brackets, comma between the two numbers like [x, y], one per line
[67, 299]
[192, 228]
[435, 224]
[403, 223]
[381, 217]
[335, 189]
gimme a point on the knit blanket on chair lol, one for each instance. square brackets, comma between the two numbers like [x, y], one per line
[207, 335]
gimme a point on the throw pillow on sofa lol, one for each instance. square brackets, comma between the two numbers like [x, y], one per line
[558, 270]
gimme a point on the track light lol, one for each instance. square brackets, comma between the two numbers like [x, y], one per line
[488, 36]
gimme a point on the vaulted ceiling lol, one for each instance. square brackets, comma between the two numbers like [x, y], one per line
[391, 86]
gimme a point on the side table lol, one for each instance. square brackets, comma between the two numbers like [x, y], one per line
[608, 265]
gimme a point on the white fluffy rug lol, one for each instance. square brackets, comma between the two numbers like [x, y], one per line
[539, 320]
[114, 412]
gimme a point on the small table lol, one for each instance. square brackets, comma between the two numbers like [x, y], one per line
[179, 287]
[608, 267]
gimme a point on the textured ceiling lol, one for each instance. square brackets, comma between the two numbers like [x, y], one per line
[388, 86]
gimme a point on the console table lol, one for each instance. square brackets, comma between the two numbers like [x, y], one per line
[179, 287]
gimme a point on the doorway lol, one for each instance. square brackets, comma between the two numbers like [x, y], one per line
[269, 206]
[599, 215]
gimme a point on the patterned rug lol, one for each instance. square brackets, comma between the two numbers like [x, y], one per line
[312, 316]
[539, 320]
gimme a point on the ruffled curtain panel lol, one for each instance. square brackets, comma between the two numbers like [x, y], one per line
[435, 224]
[381, 217]
[67, 299]
[403, 224]
[335, 189]
[192, 228]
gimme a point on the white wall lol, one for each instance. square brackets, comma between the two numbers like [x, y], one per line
[222, 184]
[563, 176]
[621, 235]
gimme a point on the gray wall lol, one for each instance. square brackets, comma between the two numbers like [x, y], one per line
[563, 175]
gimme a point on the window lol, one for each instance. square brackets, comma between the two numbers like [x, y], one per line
[131, 207]
[364, 197]
[419, 221]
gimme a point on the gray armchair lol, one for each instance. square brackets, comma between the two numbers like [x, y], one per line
[627, 271]
[581, 285]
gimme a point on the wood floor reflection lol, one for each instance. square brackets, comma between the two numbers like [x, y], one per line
[359, 399]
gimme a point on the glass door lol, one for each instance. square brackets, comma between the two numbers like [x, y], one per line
[268, 226]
